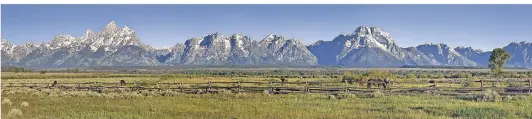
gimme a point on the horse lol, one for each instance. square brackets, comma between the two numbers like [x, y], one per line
[122, 83]
[54, 84]
[379, 82]
[433, 84]
[349, 80]
[283, 80]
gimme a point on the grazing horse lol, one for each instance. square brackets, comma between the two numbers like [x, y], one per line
[283, 80]
[54, 84]
[361, 81]
[379, 82]
[433, 84]
[122, 83]
[349, 80]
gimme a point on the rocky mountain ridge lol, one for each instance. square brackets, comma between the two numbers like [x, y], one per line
[365, 47]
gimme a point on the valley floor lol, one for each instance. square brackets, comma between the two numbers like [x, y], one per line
[46, 103]
[249, 106]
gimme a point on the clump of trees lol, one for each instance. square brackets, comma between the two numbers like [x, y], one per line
[75, 70]
[497, 60]
[380, 74]
[15, 69]
[350, 76]
[411, 76]
[43, 71]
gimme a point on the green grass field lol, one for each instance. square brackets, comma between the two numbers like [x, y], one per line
[246, 106]
[58, 104]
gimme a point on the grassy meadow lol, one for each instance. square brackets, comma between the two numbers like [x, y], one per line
[245, 106]
[25, 103]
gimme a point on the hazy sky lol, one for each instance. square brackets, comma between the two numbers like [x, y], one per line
[480, 26]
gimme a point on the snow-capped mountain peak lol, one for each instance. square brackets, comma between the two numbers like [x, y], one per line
[87, 33]
[110, 28]
[364, 30]
[365, 47]
[236, 36]
[30, 44]
[111, 38]
[61, 41]
[111, 25]
[7, 47]
[272, 38]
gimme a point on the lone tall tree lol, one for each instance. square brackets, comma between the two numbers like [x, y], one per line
[498, 59]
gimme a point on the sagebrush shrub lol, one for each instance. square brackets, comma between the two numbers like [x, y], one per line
[266, 92]
[146, 93]
[346, 96]
[131, 95]
[186, 86]
[331, 97]
[106, 90]
[489, 95]
[520, 97]
[507, 98]
[168, 93]
[14, 112]
[109, 95]
[64, 94]
[25, 104]
[93, 94]
[6, 102]
[377, 94]
[223, 91]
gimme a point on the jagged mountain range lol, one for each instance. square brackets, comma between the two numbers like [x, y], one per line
[365, 47]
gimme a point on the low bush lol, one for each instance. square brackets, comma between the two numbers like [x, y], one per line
[25, 104]
[169, 93]
[331, 97]
[266, 92]
[147, 93]
[520, 97]
[489, 95]
[377, 94]
[6, 102]
[507, 98]
[14, 112]
[130, 95]
[111, 95]
[346, 96]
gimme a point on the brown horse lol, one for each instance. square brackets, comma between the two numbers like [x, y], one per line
[122, 83]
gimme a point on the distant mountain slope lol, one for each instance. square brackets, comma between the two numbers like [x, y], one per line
[475, 55]
[365, 47]
[445, 55]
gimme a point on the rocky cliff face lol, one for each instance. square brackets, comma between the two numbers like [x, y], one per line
[285, 51]
[112, 46]
[475, 55]
[217, 49]
[445, 55]
[367, 46]
[521, 57]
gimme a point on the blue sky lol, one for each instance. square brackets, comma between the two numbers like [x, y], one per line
[480, 26]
